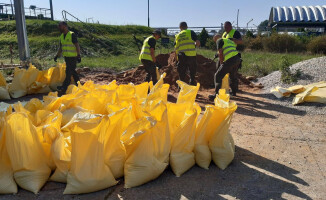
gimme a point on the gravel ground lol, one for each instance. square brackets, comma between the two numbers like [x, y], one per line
[313, 70]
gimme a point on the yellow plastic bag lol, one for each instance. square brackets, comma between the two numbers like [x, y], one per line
[3, 81]
[182, 123]
[312, 94]
[222, 144]
[187, 92]
[114, 151]
[7, 182]
[4, 93]
[34, 105]
[225, 83]
[202, 152]
[22, 80]
[141, 91]
[58, 75]
[147, 148]
[26, 153]
[88, 172]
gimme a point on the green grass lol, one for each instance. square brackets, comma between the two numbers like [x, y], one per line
[260, 64]
[120, 51]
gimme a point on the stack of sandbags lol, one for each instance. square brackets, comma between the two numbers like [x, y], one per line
[97, 133]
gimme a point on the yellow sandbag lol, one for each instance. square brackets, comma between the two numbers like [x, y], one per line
[280, 92]
[114, 151]
[145, 147]
[61, 152]
[159, 90]
[222, 145]
[88, 172]
[187, 92]
[318, 96]
[7, 183]
[225, 83]
[182, 120]
[312, 94]
[58, 76]
[141, 91]
[3, 81]
[25, 152]
[4, 93]
[125, 92]
[202, 152]
[68, 114]
[22, 80]
[296, 89]
[221, 142]
[95, 101]
[34, 105]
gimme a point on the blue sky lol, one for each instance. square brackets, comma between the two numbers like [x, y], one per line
[169, 13]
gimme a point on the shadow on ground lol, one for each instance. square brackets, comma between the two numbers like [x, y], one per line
[250, 176]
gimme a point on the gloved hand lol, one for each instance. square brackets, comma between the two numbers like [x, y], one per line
[55, 58]
[78, 58]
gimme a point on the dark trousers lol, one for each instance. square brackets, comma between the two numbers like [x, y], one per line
[150, 68]
[187, 63]
[230, 66]
[71, 64]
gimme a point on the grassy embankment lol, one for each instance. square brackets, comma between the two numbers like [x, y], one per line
[119, 52]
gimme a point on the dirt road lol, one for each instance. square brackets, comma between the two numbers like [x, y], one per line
[280, 154]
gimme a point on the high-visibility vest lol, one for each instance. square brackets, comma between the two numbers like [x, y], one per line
[228, 35]
[145, 50]
[184, 43]
[229, 49]
[68, 48]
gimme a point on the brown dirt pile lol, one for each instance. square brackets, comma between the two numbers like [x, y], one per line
[205, 73]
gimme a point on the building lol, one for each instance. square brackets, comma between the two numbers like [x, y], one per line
[291, 19]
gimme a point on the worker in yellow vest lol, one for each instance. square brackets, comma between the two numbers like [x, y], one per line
[185, 48]
[229, 63]
[147, 56]
[231, 33]
[235, 36]
[70, 50]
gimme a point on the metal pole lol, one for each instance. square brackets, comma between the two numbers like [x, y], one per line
[12, 9]
[238, 20]
[148, 11]
[23, 45]
[51, 8]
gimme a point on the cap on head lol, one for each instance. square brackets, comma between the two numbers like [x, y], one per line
[183, 25]
[157, 32]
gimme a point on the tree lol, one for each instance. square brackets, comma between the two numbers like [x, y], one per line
[262, 26]
[203, 35]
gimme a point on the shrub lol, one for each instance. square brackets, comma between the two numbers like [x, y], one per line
[286, 75]
[254, 43]
[203, 36]
[283, 43]
[210, 44]
[317, 45]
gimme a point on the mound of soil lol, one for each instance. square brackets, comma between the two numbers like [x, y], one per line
[205, 73]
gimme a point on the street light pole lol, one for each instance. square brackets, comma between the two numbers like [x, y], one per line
[148, 12]
[23, 45]
[51, 8]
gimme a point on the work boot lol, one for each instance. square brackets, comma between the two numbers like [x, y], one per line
[211, 97]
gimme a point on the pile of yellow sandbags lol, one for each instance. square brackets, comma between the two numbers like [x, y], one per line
[97, 133]
[315, 92]
[32, 81]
